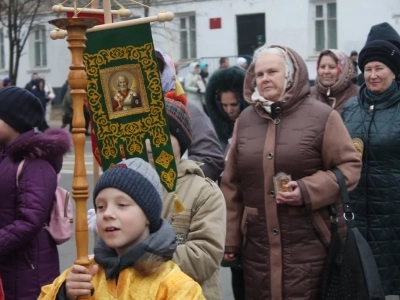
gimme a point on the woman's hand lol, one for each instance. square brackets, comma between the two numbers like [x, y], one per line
[78, 281]
[294, 198]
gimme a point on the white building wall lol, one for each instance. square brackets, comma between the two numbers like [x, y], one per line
[288, 22]
[58, 60]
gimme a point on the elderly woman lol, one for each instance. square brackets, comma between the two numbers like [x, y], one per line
[287, 138]
[373, 121]
[334, 83]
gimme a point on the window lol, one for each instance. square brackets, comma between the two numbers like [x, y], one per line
[40, 47]
[325, 27]
[187, 31]
[2, 54]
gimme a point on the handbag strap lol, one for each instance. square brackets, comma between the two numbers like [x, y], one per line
[348, 214]
[344, 194]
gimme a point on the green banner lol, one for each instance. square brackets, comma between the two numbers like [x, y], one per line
[126, 100]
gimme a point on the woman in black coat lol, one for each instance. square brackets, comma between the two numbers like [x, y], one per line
[373, 121]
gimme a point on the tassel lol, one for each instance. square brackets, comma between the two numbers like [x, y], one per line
[178, 87]
[178, 205]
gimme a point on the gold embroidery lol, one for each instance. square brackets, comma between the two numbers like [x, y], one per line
[132, 133]
[153, 121]
[164, 159]
[168, 177]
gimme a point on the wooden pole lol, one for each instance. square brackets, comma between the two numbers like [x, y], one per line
[107, 11]
[77, 79]
[120, 12]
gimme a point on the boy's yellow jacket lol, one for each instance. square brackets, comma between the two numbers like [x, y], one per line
[170, 283]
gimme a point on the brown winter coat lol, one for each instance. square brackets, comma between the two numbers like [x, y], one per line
[284, 247]
[341, 91]
[200, 228]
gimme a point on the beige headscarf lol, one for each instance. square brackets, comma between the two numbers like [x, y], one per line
[289, 71]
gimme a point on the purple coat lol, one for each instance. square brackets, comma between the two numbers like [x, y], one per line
[28, 254]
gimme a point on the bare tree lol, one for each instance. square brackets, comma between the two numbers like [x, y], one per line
[18, 17]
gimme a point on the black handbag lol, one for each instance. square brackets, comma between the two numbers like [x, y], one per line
[350, 271]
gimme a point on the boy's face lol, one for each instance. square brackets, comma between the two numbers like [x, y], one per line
[175, 147]
[121, 222]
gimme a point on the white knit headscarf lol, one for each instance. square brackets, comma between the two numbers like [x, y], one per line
[289, 71]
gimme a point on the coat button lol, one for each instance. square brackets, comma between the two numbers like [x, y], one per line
[277, 121]
[270, 155]
[275, 231]
[278, 110]
[272, 194]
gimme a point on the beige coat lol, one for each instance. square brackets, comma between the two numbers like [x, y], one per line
[200, 228]
[284, 246]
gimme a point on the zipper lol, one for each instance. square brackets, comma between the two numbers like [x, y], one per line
[245, 235]
[30, 260]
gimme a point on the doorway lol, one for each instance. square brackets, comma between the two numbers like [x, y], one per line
[250, 33]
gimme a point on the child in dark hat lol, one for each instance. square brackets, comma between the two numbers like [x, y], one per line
[28, 254]
[132, 257]
[196, 210]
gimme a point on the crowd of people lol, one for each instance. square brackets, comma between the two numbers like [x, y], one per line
[255, 147]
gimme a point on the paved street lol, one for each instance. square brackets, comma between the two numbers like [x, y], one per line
[68, 251]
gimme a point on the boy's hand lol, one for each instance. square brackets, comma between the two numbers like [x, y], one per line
[78, 281]
[230, 256]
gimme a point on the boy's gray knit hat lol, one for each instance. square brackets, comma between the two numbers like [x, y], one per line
[140, 181]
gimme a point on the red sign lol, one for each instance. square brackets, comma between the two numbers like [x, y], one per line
[215, 23]
[88, 15]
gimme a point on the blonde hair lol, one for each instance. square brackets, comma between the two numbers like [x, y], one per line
[149, 264]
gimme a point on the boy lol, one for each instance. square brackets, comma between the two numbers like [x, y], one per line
[132, 255]
[196, 210]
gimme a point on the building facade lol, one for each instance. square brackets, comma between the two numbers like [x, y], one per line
[216, 28]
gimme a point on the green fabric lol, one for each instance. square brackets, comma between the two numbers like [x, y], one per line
[122, 125]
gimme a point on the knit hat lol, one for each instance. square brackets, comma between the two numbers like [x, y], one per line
[240, 61]
[20, 109]
[140, 181]
[6, 81]
[384, 31]
[354, 52]
[179, 120]
[382, 51]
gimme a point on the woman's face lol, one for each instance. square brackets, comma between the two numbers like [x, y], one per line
[270, 76]
[378, 77]
[328, 71]
[230, 105]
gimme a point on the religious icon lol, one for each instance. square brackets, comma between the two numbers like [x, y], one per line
[124, 91]
[280, 181]
[359, 145]
[125, 98]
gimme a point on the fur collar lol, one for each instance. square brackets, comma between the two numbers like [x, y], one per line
[50, 145]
